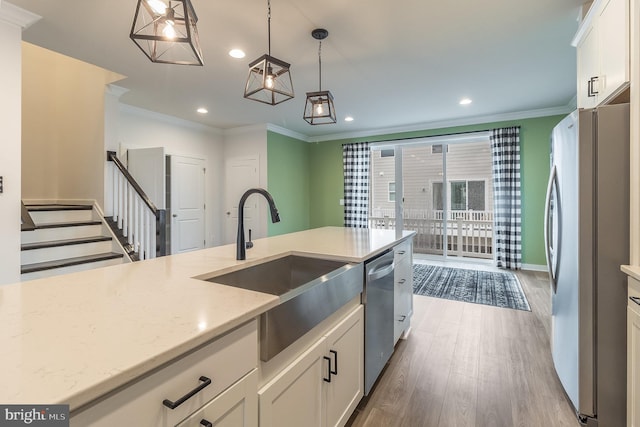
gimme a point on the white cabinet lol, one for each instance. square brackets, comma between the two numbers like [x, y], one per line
[223, 361]
[603, 52]
[323, 385]
[633, 354]
[345, 386]
[403, 288]
[235, 407]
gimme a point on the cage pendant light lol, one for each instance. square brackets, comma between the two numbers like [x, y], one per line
[319, 108]
[269, 78]
[166, 31]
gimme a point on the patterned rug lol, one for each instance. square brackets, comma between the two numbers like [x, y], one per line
[480, 287]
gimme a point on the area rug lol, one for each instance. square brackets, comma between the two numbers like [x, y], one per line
[480, 287]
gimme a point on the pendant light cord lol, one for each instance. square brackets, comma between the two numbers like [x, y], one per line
[320, 66]
[269, 24]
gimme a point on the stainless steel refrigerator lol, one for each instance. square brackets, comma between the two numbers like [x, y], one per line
[586, 240]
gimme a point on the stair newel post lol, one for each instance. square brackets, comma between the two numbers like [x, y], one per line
[162, 232]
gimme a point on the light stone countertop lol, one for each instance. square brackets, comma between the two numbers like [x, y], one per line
[631, 270]
[70, 339]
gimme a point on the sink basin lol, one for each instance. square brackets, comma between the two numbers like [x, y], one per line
[310, 290]
[280, 276]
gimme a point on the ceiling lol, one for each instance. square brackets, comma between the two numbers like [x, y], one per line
[388, 64]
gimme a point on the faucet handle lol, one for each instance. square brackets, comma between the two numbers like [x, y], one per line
[249, 244]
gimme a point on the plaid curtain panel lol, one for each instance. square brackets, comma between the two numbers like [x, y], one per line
[507, 227]
[355, 164]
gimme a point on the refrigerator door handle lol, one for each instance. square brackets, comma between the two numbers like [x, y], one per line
[549, 243]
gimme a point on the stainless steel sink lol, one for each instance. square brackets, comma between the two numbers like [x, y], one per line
[310, 290]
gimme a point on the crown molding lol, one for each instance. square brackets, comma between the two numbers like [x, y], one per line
[262, 127]
[520, 115]
[286, 132]
[116, 91]
[130, 109]
[15, 15]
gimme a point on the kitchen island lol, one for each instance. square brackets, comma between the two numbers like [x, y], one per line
[71, 339]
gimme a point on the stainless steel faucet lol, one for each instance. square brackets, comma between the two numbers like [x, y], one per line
[241, 245]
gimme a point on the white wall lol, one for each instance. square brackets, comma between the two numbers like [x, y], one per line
[12, 20]
[138, 128]
[243, 142]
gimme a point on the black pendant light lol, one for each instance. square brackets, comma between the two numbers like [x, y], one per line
[319, 108]
[269, 78]
[166, 31]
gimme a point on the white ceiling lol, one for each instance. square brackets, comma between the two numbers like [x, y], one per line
[387, 63]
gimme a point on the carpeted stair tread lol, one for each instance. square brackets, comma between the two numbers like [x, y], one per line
[50, 265]
[65, 242]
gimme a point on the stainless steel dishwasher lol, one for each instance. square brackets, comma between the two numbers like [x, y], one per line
[378, 316]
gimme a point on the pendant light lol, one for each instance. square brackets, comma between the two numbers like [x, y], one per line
[269, 78]
[319, 108]
[166, 31]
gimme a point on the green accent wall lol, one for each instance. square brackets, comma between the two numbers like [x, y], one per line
[326, 180]
[288, 182]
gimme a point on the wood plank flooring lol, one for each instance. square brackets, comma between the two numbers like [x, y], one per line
[472, 365]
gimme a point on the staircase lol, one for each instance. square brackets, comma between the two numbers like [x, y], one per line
[66, 238]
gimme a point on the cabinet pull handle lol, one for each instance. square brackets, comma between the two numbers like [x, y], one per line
[403, 318]
[205, 423]
[401, 252]
[335, 362]
[401, 281]
[173, 405]
[328, 380]
[635, 299]
[590, 91]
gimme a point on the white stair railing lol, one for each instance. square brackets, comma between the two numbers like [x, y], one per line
[136, 216]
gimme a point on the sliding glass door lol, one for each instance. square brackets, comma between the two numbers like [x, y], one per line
[442, 190]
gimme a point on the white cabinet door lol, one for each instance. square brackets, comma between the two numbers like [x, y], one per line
[633, 364]
[613, 36]
[603, 52]
[345, 350]
[295, 397]
[588, 69]
[236, 407]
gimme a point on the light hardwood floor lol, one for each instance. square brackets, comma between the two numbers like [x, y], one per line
[472, 365]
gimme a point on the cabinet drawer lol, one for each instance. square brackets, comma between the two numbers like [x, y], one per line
[235, 407]
[402, 251]
[223, 361]
[634, 295]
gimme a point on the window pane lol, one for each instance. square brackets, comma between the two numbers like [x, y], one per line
[458, 195]
[476, 195]
[437, 196]
[390, 152]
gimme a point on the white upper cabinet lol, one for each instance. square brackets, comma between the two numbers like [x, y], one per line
[603, 52]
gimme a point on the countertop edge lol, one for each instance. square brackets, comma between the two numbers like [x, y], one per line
[631, 271]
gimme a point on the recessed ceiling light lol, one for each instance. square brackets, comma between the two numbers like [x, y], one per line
[202, 110]
[237, 53]
[348, 119]
[465, 101]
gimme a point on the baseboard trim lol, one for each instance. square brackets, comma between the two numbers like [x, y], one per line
[534, 267]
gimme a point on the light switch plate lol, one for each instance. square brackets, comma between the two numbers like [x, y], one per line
[341, 202]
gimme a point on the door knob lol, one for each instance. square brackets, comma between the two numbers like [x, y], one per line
[228, 213]
[175, 215]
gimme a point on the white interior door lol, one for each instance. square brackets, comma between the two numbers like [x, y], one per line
[241, 174]
[187, 204]
[147, 166]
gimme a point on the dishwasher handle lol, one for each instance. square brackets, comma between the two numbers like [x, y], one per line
[380, 271]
